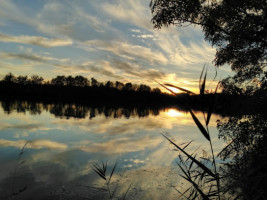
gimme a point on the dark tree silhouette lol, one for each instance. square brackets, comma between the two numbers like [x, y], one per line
[37, 80]
[119, 85]
[23, 80]
[94, 82]
[59, 80]
[236, 28]
[81, 81]
[144, 88]
[246, 175]
[128, 86]
[109, 84]
[10, 78]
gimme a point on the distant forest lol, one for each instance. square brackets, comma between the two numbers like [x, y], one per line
[79, 89]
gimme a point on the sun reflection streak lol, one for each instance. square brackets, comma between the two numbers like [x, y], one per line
[174, 113]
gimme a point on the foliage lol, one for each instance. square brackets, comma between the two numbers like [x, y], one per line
[256, 87]
[246, 175]
[236, 28]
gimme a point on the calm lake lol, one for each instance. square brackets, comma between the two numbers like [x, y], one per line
[65, 140]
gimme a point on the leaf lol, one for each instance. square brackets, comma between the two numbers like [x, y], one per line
[187, 144]
[205, 197]
[112, 195]
[200, 126]
[203, 84]
[200, 78]
[203, 167]
[124, 196]
[215, 73]
[211, 107]
[166, 88]
[180, 88]
[99, 171]
[112, 172]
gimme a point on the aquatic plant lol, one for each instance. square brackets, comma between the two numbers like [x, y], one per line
[101, 170]
[204, 180]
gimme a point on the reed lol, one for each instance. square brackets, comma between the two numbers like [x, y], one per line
[101, 170]
[202, 173]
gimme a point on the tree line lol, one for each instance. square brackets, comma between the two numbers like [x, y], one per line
[76, 81]
[79, 89]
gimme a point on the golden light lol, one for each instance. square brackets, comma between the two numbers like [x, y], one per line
[174, 113]
[175, 90]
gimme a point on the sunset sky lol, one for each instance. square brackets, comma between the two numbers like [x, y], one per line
[105, 39]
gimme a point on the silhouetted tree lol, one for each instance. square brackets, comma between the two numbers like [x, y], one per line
[94, 82]
[81, 81]
[156, 90]
[144, 88]
[69, 81]
[246, 175]
[35, 79]
[236, 28]
[109, 84]
[10, 78]
[119, 85]
[23, 80]
[128, 86]
[59, 80]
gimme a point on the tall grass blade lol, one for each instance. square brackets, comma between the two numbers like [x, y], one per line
[112, 172]
[166, 88]
[183, 194]
[187, 144]
[205, 197]
[203, 85]
[203, 167]
[112, 195]
[180, 88]
[200, 78]
[215, 73]
[99, 171]
[200, 126]
[124, 196]
[211, 107]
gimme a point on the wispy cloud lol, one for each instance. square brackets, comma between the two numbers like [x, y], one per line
[31, 57]
[34, 144]
[129, 51]
[134, 12]
[121, 145]
[35, 40]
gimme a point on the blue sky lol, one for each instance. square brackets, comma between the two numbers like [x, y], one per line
[105, 39]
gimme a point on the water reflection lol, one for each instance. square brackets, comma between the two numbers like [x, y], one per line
[80, 111]
[66, 139]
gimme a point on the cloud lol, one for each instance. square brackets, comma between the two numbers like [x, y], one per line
[35, 40]
[34, 144]
[86, 68]
[31, 57]
[131, 12]
[121, 145]
[126, 50]
[134, 70]
[29, 127]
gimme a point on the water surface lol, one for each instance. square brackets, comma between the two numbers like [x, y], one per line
[65, 140]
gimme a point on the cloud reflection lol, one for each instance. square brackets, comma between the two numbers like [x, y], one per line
[34, 144]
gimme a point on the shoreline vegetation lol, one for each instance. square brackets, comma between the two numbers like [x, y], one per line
[66, 91]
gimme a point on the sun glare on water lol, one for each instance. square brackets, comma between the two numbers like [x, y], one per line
[174, 113]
